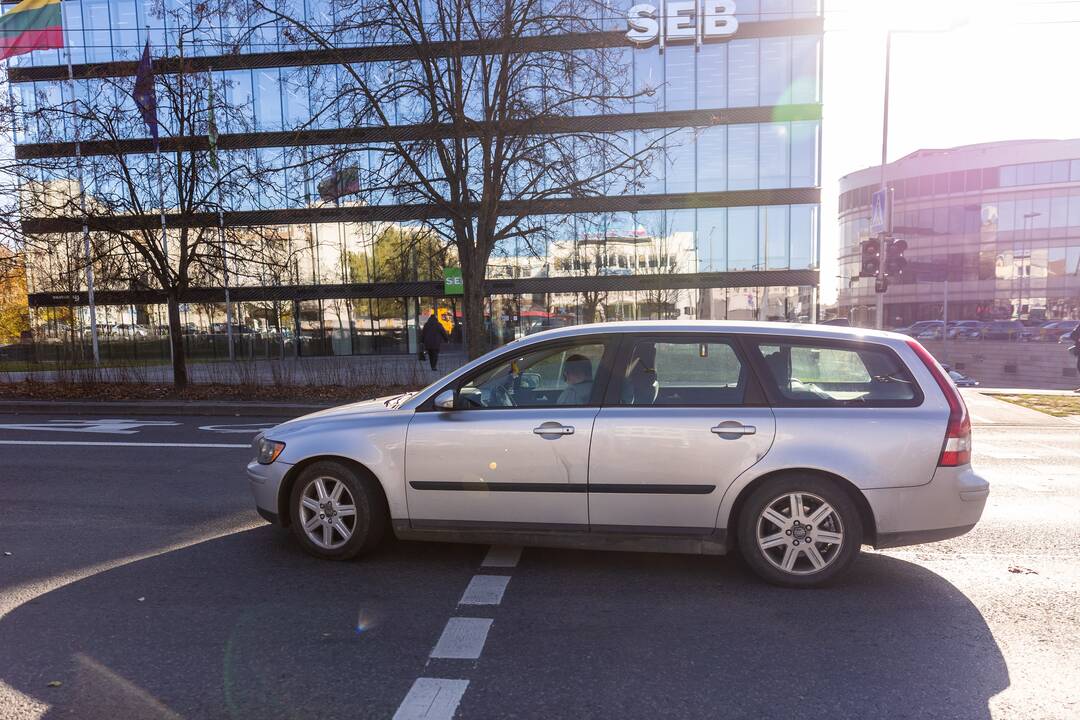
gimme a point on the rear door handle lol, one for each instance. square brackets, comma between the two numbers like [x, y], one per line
[553, 428]
[734, 428]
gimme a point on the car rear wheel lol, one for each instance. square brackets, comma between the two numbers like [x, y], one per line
[799, 531]
[335, 512]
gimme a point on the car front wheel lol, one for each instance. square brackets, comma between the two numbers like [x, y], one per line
[335, 512]
[799, 531]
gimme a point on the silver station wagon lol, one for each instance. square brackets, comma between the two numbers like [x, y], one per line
[792, 444]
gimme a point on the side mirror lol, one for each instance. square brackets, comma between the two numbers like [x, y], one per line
[444, 400]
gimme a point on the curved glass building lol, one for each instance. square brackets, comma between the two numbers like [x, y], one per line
[999, 221]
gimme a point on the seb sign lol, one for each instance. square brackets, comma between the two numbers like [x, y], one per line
[681, 21]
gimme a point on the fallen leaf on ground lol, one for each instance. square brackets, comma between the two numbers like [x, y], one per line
[55, 683]
[1019, 570]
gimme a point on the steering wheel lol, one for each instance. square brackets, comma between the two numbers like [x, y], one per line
[501, 396]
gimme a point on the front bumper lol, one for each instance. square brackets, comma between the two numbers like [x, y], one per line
[265, 482]
[946, 507]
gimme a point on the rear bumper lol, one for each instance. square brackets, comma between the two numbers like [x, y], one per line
[946, 507]
[265, 482]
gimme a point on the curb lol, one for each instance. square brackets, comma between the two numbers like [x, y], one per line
[152, 407]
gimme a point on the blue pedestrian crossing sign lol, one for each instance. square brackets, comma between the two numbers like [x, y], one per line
[879, 213]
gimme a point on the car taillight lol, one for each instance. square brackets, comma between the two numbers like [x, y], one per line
[956, 450]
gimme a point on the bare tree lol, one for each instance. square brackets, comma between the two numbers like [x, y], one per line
[494, 113]
[125, 191]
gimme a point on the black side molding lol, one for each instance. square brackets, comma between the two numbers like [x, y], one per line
[624, 489]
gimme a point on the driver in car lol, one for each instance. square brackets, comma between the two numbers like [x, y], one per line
[578, 374]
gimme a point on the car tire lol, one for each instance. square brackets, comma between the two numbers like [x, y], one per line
[794, 551]
[335, 512]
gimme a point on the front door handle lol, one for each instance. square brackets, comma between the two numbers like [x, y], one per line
[553, 428]
[732, 427]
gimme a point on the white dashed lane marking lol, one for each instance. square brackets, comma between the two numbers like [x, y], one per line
[502, 556]
[462, 639]
[485, 590]
[431, 699]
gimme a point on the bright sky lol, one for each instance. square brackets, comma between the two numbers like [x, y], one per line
[1005, 70]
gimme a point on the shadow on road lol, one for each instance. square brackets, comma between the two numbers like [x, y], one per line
[237, 627]
[248, 626]
[645, 636]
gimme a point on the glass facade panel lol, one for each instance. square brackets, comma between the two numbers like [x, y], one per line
[745, 72]
[742, 157]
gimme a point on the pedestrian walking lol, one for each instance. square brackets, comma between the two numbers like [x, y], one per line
[433, 336]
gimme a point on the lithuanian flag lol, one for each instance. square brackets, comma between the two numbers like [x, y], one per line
[31, 25]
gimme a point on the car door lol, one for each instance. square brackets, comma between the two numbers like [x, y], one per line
[514, 451]
[683, 417]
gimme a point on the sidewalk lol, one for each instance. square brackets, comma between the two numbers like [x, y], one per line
[987, 410]
[389, 370]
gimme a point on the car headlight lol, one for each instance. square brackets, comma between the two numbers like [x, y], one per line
[269, 451]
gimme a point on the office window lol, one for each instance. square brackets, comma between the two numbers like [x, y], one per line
[267, 99]
[1043, 173]
[742, 238]
[96, 30]
[651, 142]
[743, 73]
[974, 180]
[803, 236]
[1074, 171]
[1074, 209]
[956, 182]
[679, 61]
[1008, 176]
[775, 71]
[806, 69]
[774, 236]
[648, 80]
[680, 161]
[1059, 171]
[712, 159]
[742, 157]
[926, 185]
[712, 76]
[804, 153]
[1025, 174]
[941, 184]
[748, 10]
[774, 163]
[775, 9]
[712, 239]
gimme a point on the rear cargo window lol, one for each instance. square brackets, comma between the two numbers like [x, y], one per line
[805, 373]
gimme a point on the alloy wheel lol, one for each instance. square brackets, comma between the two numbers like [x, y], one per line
[799, 533]
[328, 512]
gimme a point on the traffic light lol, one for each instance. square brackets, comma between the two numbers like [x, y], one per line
[871, 258]
[895, 262]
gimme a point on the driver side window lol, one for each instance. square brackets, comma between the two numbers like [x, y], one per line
[551, 376]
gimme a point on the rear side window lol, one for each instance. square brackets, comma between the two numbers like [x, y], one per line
[682, 373]
[807, 373]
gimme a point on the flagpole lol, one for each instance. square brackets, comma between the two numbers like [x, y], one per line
[82, 208]
[161, 204]
[221, 227]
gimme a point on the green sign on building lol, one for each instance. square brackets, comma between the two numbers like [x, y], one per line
[452, 282]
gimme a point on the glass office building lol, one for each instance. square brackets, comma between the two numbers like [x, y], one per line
[999, 221]
[724, 225]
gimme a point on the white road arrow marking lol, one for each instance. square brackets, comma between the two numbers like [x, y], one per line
[246, 429]
[106, 426]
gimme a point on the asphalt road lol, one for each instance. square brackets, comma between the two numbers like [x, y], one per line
[142, 581]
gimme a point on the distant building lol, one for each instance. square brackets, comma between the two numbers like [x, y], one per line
[1000, 220]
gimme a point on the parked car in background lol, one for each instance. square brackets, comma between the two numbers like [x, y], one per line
[793, 445]
[917, 327]
[960, 379]
[1004, 330]
[1051, 331]
[966, 329]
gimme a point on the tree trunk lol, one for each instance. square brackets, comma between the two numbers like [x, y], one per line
[176, 340]
[475, 331]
